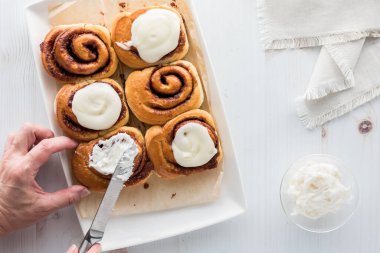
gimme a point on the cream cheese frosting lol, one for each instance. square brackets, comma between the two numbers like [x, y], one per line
[192, 145]
[154, 34]
[97, 106]
[317, 190]
[119, 150]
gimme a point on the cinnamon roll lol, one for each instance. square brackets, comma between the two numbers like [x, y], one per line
[186, 144]
[94, 162]
[91, 109]
[73, 53]
[150, 36]
[158, 94]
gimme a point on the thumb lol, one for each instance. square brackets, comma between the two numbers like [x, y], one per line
[72, 249]
[62, 198]
[96, 248]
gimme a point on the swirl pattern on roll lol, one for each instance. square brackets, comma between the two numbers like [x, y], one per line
[158, 94]
[159, 144]
[95, 181]
[68, 120]
[77, 52]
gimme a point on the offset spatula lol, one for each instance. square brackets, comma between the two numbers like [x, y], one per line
[96, 231]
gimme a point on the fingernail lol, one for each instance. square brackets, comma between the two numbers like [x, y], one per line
[75, 143]
[72, 248]
[97, 246]
[84, 193]
[72, 142]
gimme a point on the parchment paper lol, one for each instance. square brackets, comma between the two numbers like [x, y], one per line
[157, 194]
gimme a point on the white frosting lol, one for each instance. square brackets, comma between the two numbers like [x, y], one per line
[154, 34]
[106, 155]
[97, 106]
[125, 45]
[192, 145]
[317, 190]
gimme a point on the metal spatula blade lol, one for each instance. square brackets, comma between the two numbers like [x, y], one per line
[98, 226]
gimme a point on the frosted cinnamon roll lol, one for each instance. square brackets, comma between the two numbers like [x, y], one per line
[73, 53]
[91, 109]
[158, 94]
[149, 36]
[94, 162]
[186, 144]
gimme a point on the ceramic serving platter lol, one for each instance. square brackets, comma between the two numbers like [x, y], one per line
[127, 230]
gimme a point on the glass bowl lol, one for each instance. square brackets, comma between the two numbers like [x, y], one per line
[329, 221]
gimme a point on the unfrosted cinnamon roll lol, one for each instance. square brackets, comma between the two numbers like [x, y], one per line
[94, 162]
[73, 53]
[158, 94]
[91, 109]
[186, 144]
[150, 36]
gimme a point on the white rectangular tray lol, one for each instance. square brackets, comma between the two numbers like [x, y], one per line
[124, 231]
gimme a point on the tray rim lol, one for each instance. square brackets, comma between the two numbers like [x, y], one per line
[241, 203]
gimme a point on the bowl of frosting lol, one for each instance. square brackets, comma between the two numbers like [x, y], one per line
[319, 193]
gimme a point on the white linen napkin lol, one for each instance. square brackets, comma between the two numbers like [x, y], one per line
[316, 112]
[341, 80]
[334, 70]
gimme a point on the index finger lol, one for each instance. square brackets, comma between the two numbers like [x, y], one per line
[39, 155]
[22, 141]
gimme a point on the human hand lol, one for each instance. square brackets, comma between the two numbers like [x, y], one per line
[96, 248]
[22, 200]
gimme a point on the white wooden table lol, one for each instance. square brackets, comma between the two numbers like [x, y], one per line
[258, 91]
